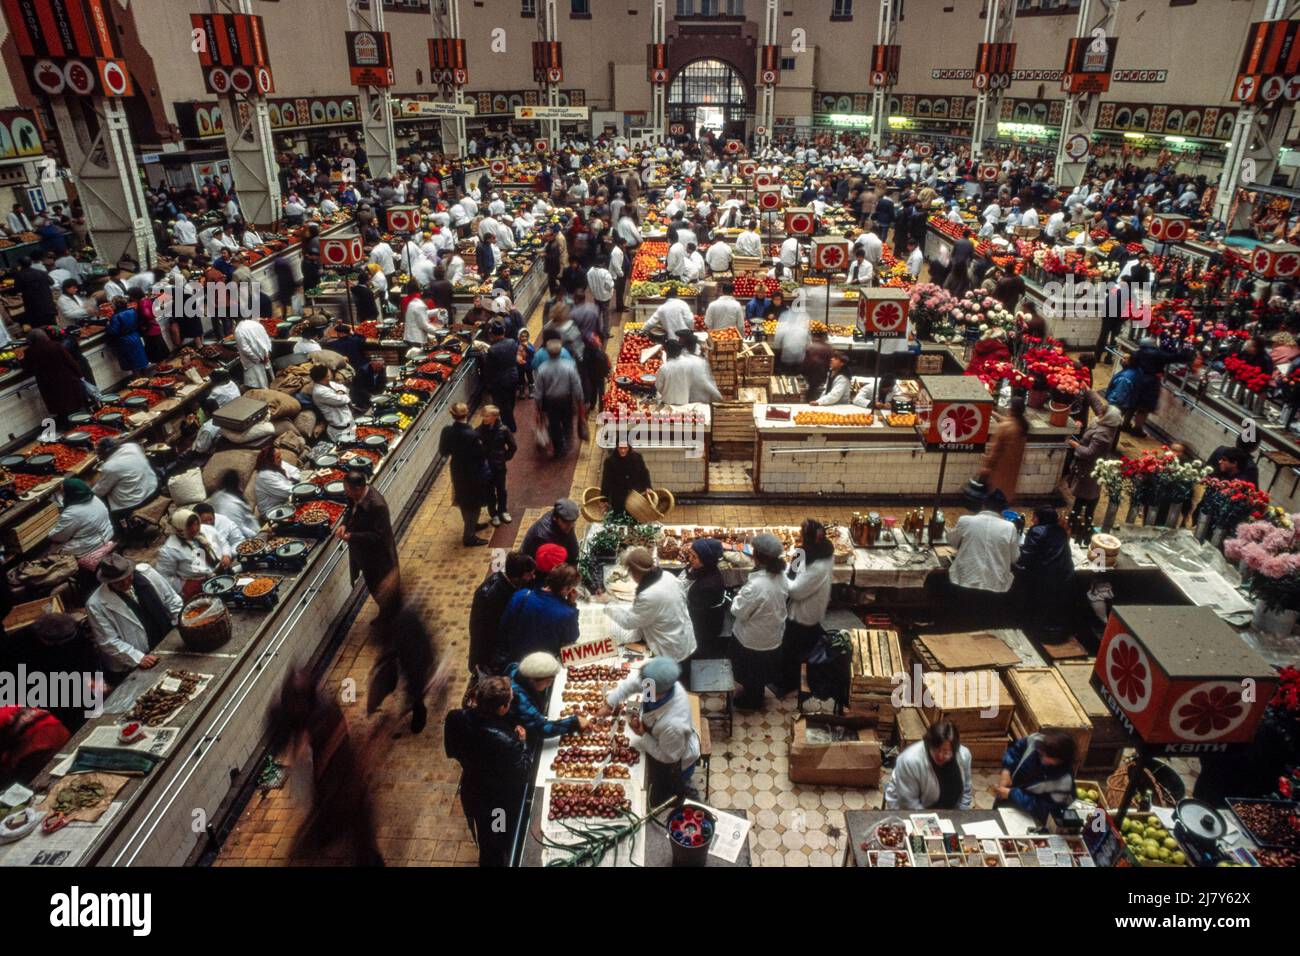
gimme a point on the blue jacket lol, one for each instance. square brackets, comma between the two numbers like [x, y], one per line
[525, 711]
[537, 620]
[756, 308]
[1035, 788]
[1122, 391]
[124, 331]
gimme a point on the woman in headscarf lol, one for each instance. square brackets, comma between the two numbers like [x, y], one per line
[84, 529]
[1094, 444]
[625, 471]
[190, 555]
[58, 377]
[706, 595]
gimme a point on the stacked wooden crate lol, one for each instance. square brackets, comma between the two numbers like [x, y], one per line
[1044, 702]
[732, 429]
[786, 388]
[724, 362]
[756, 363]
[877, 659]
[978, 705]
[1109, 738]
[25, 535]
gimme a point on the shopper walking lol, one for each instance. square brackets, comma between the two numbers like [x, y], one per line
[470, 474]
[810, 595]
[499, 446]
[368, 531]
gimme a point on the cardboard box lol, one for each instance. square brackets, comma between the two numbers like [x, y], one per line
[815, 758]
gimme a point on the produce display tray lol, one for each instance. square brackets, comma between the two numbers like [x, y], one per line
[1281, 806]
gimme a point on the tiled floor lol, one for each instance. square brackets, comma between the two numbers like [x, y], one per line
[414, 784]
[731, 476]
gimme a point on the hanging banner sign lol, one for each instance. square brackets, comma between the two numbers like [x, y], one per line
[432, 108]
[552, 112]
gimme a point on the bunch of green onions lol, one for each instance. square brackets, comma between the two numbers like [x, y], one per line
[597, 839]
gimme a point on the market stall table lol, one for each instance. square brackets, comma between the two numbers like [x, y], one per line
[861, 823]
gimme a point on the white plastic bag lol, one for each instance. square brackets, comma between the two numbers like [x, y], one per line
[186, 487]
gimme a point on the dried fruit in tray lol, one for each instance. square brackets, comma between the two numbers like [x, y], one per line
[419, 385]
[369, 454]
[96, 432]
[833, 418]
[365, 431]
[319, 512]
[331, 474]
[156, 705]
[251, 546]
[259, 587]
[596, 672]
[111, 410]
[435, 368]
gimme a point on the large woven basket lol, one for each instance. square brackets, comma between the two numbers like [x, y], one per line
[650, 507]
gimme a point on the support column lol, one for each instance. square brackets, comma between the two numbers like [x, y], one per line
[376, 105]
[659, 91]
[767, 91]
[101, 156]
[1258, 136]
[548, 31]
[886, 35]
[248, 141]
[446, 26]
[999, 25]
[1097, 19]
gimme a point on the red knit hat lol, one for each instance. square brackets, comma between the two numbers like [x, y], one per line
[549, 557]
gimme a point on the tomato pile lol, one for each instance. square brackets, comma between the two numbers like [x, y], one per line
[332, 474]
[152, 398]
[745, 287]
[96, 432]
[110, 410]
[419, 385]
[368, 330]
[365, 431]
[65, 457]
[436, 369]
[272, 326]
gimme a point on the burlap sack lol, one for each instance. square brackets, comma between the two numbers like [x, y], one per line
[281, 404]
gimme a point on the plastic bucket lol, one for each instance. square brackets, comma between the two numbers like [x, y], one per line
[690, 833]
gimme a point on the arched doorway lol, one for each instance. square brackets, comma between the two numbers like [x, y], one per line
[709, 95]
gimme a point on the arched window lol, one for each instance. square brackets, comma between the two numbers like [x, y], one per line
[711, 85]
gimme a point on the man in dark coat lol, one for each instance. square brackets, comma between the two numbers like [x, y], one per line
[368, 531]
[555, 527]
[1045, 570]
[58, 377]
[501, 371]
[33, 285]
[470, 475]
[487, 646]
[486, 256]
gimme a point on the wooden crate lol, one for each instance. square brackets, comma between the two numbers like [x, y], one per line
[960, 703]
[24, 615]
[975, 650]
[911, 726]
[1108, 734]
[728, 345]
[747, 265]
[786, 388]
[733, 422]
[756, 363]
[1044, 702]
[21, 537]
[732, 451]
[986, 749]
[929, 363]
[877, 657]
[753, 395]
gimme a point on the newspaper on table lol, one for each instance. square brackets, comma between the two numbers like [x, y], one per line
[63, 847]
[157, 741]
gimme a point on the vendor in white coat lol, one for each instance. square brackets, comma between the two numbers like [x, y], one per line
[725, 312]
[126, 479]
[334, 403]
[190, 555]
[275, 479]
[674, 314]
[810, 595]
[932, 774]
[664, 730]
[84, 528]
[130, 612]
[760, 613]
[254, 348]
[658, 617]
[675, 377]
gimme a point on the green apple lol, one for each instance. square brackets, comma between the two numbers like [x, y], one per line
[1179, 857]
[1170, 843]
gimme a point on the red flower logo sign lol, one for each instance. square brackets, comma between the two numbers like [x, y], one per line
[1128, 672]
[959, 423]
[833, 257]
[1209, 711]
[1288, 263]
[887, 316]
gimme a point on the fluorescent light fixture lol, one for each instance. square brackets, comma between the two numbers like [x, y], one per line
[1175, 139]
[1134, 136]
[898, 120]
[1024, 129]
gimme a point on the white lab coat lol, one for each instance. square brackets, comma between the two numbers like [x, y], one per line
[126, 479]
[659, 618]
[118, 634]
[237, 510]
[670, 736]
[810, 592]
[601, 284]
[871, 244]
[692, 267]
[83, 527]
[725, 312]
[676, 259]
[672, 316]
[416, 326]
[702, 387]
[335, 406]
[914, 785]
[225, 392]
[178, 561]
[759, 611]
[273, 487]
[673, 381]
[226, 533]
[382, 255]
[184, 233]
[790, 253]
[749, 243]
[254, 348]
[719, 257]
[987, 546]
